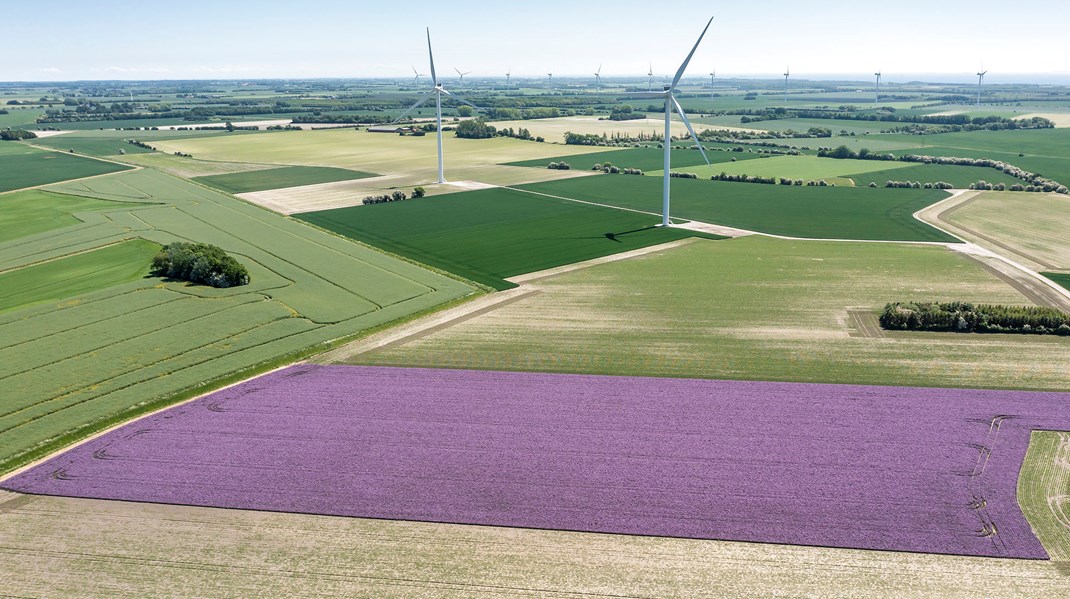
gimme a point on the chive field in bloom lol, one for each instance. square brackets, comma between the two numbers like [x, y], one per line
[895, 468]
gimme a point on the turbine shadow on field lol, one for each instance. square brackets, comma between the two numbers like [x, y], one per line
[614, 236]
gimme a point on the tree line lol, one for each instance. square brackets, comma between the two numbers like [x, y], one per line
[965, 317]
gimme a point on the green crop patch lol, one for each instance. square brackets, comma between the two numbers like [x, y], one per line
[644, 159]
[278, 178]
[33, 211]
[1060, 278]
[25, 166]
[77, 274]
[489, 235]
[959, 176]
[815, 212]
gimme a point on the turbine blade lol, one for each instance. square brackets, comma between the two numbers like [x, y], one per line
[687, 123]
[415, 106]
[683, 67]
[463, 101]
[434, 77]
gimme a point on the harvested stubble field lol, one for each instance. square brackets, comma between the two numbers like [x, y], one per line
[1031, 227]
[86, 361]
[555, 129]
[63, 546]
[489, 235]
[729, 460]
[26, 166]
[820, 212]
[750, 308]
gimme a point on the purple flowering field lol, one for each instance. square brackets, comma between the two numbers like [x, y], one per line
[897, 468]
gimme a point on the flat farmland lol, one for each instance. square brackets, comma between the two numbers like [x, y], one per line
[86, 361]
[1044, 491]
[821, 212]
[76, 547]
[626, 455]
[34, 211]
[112, 142]
[490, 235]
[26, 166]
[770, 310]
[278, 178]
[959, 176]
[555, 129]
[1029, 226]
[645, 159]
[792, 167]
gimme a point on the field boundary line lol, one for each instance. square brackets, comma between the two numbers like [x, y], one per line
[560, 270]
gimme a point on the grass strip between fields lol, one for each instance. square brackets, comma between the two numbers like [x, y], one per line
[279, 178]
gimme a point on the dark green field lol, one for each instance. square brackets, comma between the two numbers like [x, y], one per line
[77, 274]
[489, 235]
[1061, 278]
[109, 142]
[817, 212]
[278, 178]
[27, 167]
[959, 176]
[646, 159]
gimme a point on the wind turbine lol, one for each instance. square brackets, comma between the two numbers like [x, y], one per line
[713, 75]
[787, 71]
[508, 74]
[670, 105]
[598, 77]
[462, 75]
[877, 90]
[980, 80]
[550, 80]
[650, 78]
[437, 91]
[416, 79]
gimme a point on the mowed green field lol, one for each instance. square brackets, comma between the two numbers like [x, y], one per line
[74, 275]
[34, 211]
[89, 360]
[750, 308]
[959, 176]
[1044, 491]
[645, 159]
[1061, 278]
[25, 166]
[278, 178]
[816, 212]
[489, 235]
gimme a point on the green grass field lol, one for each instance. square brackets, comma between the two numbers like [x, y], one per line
[1043, 489]
[25, 166]
[959, 176]
[86, 361]
[792, 167]
[109, 142]
[750, 308]
[278, 178]
[75, 275]
[33, 211]
[645, 159]
[489, 235]
[817, 212]
[1062, 278]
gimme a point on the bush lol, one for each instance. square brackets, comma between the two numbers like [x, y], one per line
[559, 166]
[17, 135]
[201, 263]
[419, 192]
[965, 317]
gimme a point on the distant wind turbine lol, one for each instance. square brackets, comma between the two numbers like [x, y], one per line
[670, 105]
[787, 72]
[437, 91]
[650, 78]
[877, 90]
[550, 80]
[980, 81]
[713, 75]
[598, 77]
[462, 75]
[508, 75]
[416, 79]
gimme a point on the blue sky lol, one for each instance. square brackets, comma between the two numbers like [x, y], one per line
[197, 39]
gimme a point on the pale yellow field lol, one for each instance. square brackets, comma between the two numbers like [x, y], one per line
[1044, 491]
[1031, 228]
[555, 129]
[64, 547]
[1061, 119]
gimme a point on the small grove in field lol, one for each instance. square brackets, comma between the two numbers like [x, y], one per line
[965, 317]
[202, 263]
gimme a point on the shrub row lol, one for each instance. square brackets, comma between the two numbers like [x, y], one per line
[199, 263]
[981, 318]
[559, 166]
[17, 134]
[917, 185]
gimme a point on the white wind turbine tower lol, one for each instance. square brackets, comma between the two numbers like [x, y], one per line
[437, 91]
[598, 77]
[980, 80]
[713, 75]
[462, 76]
[877, 90]
[650, 78]
[787, 71]
[508, 75]
[670, 105]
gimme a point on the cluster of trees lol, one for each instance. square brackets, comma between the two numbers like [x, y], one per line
[916, 185]
[475, 129]
[283, 128]
[520, 133]
[179, 154]
[954, 122]
[559, 166]
[584, 139]
[611, 169]
[966, 318]
[396, 196]
[201, 263]
[348, 119]
[683, 175]
[17, 134]
[518, 114]
[843, 152]
[752, 179]
[625, 113]
[140, 144]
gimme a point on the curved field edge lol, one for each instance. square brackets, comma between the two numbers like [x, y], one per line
[1044, 491]
[89, 430]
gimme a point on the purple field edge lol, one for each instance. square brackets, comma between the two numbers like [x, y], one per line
[889, 468]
